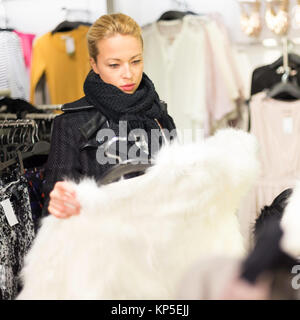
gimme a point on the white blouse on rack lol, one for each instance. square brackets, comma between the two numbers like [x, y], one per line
[175, 62]
[188, 62]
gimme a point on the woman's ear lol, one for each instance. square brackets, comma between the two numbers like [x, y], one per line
[94, 65]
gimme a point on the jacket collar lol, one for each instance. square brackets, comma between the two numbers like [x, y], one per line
[68, 107]
[95, 122]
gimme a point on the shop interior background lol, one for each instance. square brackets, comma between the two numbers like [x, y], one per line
[41, 16]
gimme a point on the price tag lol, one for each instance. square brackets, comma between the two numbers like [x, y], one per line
[287, 125]
[70, 44]
[9, 212]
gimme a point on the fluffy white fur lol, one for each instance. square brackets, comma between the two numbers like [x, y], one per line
[290, 224]
[134, 239]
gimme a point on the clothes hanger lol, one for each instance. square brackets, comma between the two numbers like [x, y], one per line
[122, 168]
[39, 148]
[172, 15]
[67, 25]
[285, 89]
[129, 166]
[6, 29]
[31, 148]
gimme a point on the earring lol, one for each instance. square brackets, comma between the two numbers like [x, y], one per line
[277, 22]
[251, 23]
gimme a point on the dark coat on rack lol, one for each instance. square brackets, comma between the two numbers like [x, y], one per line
[74, 146]
[265, 77]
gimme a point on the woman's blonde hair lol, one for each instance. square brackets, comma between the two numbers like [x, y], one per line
[109, 25]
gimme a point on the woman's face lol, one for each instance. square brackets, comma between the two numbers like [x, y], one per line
[120, 62]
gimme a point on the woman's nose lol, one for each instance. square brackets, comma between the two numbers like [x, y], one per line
[127, 73]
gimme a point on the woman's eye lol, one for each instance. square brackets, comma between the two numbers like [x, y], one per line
[114, 65]
[136, 61]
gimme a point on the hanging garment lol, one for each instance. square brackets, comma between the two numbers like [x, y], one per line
[35, 180]
[276, 124]
[63, 59]
[16, 235]
[221, 103]
[18, 106]
[174, 60]
[222, 54]
[135, 238]
[233, 112]
[180, 57]
[26, 41]
[13, 74]
[268, 255]
[273, 211]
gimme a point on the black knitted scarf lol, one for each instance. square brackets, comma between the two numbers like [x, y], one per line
[138, 109]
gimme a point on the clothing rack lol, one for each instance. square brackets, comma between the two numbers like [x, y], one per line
[17, 123]
[33, 116]
[42, 123]
[46, 107]
[9, 128]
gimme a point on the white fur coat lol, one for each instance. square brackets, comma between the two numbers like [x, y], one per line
[134, 239]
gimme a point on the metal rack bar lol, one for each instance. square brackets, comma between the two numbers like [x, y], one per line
[49, 106]
[17, 123]
[33, 116]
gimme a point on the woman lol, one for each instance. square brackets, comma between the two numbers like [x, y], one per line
[116, 90]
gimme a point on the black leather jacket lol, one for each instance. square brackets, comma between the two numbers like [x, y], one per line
[74, 146]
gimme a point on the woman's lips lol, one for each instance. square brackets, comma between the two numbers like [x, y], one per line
[128, 87]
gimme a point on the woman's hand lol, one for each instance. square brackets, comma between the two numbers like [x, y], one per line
[63, 202]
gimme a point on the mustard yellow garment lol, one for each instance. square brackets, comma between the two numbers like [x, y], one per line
[65, 73]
